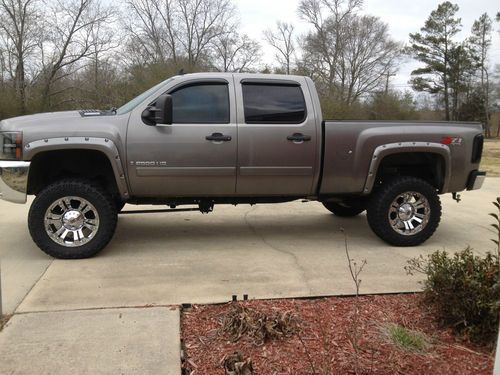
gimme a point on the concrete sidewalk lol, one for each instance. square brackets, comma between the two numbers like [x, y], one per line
[112, 341]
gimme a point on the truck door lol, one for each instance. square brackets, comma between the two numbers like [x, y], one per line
[193, 157]
[277, 138]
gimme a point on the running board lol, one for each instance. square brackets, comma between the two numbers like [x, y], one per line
[158, 211]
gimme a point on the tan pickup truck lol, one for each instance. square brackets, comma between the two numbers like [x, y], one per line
[219, 138]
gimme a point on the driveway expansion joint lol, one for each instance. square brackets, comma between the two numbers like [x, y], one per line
[296, 262]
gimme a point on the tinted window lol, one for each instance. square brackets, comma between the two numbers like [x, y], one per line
[275, 104]
[203, 103]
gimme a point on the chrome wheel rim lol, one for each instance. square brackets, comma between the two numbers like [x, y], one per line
[71, 221]
[409, 213]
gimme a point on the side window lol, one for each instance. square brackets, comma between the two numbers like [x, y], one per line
[273, 104]
[201, 104]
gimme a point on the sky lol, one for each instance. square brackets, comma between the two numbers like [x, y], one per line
[403, 17]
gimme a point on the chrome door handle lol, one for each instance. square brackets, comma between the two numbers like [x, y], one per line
[299, 137]
[218, 137]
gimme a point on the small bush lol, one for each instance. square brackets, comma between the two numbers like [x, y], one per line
[464, 288]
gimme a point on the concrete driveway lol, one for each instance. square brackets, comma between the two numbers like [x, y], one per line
[266, 251]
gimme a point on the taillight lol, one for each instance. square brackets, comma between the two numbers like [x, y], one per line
[477, 149]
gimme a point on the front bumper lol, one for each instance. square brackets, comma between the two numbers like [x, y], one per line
[476, 180]
[14, 180]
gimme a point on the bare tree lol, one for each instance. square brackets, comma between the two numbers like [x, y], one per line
[176, 30]
[349, 55]
[72, 40]
[234, 53]
[3, 68]
[19, 36]
[496, 89]
[369, 55]
[282, 39]
[202, 22]
[101, 66]
[480, 43]
[327, 17]
[152, 28]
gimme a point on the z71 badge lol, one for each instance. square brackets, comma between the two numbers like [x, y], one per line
[452, 141]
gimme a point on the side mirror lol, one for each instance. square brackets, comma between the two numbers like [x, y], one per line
[160, 112]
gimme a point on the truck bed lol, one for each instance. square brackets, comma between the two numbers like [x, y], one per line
[348, 148]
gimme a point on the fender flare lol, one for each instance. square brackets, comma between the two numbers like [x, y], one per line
[104, 145]
[406, 147]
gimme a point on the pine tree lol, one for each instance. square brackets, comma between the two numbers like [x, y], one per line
[434, 46]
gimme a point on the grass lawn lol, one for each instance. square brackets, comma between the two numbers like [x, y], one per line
[491, 157]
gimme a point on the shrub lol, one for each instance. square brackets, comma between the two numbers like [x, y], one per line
[464, 288]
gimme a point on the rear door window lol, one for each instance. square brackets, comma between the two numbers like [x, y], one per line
[273, 103]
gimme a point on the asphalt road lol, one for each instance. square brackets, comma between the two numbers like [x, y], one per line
[267, 251]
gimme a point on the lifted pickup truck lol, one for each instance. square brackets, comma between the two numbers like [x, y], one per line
[213, 138]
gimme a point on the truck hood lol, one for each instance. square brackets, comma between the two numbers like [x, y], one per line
[66, 124]
[37, 120]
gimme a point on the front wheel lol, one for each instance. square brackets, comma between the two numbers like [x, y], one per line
[405, 211]
[119, 204]
[72, 219]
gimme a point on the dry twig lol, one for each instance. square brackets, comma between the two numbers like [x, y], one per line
[259, 326]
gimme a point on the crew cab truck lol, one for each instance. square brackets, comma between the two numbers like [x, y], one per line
[220, 138]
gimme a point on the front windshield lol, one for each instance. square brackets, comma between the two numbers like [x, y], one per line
[139, 99]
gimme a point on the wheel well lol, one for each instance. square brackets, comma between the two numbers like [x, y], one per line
[50, 166]
[428, 166]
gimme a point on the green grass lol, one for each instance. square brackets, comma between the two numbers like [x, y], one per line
[490, 161]
[406, 339]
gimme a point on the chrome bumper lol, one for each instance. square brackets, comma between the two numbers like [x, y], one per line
[476, 180]
[14, 180]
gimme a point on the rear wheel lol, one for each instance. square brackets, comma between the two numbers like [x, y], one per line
[344, 209]
[405, 211]
[72, 219]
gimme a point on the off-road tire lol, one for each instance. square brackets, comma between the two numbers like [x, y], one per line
[119, 204]
[344, 209]
[93, 193]
[380, 204]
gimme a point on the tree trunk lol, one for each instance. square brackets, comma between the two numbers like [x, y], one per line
[446, 101]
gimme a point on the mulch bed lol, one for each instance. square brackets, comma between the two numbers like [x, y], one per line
[323, 344]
